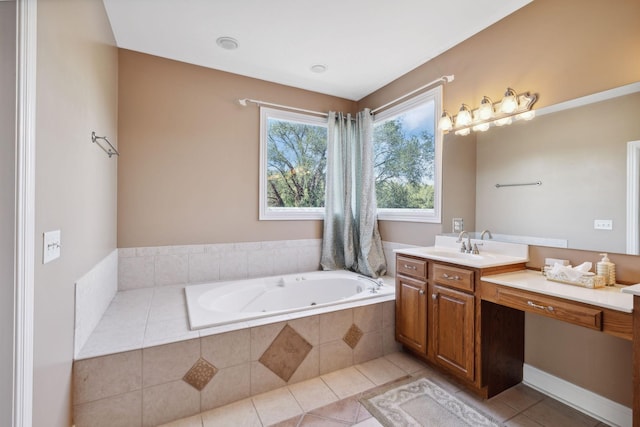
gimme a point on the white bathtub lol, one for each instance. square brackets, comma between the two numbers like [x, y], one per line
[220, 303]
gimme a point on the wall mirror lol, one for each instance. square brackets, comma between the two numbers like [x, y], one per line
[580, 151]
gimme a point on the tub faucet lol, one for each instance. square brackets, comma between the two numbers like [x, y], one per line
[464, 248]
[485, 232]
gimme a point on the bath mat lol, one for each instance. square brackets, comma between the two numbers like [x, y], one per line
[422, 403]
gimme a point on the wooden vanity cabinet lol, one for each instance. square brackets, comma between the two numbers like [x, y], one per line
[441, 318]
[411, 303]
[451, 325]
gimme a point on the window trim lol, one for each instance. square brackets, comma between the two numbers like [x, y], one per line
[419, 215]
[287, 213]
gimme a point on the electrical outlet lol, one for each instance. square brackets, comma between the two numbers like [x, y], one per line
[457, 225]
[602, 224]
[50, 246]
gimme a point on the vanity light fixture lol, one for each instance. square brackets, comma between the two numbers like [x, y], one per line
[512, 105]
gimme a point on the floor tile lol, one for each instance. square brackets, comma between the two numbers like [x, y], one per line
[275, 406]
[406, 362]
[346, 410]
[241, 413]
[521, 421]
[195, 421]
[550, 413]
[310, 420]
[380, 371]
[312, 394]
[347, 382]
[494, 408]
[371, 422]
[520, 397]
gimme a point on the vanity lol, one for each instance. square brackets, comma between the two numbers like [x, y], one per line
[464, 313]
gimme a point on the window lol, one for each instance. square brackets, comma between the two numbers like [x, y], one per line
[407, 150]
[293, 163]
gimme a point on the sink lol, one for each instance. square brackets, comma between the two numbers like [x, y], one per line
[492, 254]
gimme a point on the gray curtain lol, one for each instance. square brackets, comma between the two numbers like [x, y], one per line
[351, 238]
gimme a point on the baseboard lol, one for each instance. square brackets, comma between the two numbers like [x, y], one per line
[583, 400]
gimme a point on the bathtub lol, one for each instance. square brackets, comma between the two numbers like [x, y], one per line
[220, 303]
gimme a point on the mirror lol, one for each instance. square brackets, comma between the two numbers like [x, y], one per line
[578, 151]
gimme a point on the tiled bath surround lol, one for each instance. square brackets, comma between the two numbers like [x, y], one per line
[133, 369]
[149, 386]
[94, 292]
[171, 265]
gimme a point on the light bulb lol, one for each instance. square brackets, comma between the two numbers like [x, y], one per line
[445, 124]
[509, 103]
[463, 132]
[464, 116]
[504, 121]
[481, 127]
[485, 111]
[527, 115]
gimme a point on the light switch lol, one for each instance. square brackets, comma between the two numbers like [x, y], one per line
[51, 246]
[603, 224]
[457, 225]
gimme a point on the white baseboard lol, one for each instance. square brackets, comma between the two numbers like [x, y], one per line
[583, 400]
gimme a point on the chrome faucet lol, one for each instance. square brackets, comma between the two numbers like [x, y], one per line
[463, 248]
[485, 232]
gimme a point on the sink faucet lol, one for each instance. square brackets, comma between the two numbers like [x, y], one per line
[485, 232]
[463, 248]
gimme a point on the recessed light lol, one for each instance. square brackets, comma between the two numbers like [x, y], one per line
[228, 43]
[319, 68]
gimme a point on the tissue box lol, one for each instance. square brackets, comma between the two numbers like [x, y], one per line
[586, 280]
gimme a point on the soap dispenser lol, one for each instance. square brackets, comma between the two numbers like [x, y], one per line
[606, 269]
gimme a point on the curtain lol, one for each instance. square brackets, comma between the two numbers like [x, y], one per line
[351, 238]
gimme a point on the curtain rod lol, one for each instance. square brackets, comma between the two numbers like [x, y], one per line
[244, 101]
[443, 79]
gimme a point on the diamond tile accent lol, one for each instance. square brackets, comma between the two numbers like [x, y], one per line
[286, 353]
[200, 374]
[353, 335]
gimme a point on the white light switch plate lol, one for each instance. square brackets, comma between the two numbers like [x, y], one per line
[51, 246]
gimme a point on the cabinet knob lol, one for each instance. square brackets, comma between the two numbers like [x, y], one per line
[434, 296]
[421, 291]
[446, 276]
[410, 267]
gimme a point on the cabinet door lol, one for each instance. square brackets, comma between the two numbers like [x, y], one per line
[451, 327]
[411, 313]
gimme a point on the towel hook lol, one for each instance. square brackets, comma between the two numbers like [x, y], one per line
[111, 150]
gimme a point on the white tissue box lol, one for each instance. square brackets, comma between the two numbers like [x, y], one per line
[586, 280]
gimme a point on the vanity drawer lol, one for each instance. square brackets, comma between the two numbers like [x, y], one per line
[411, 267]
[453, 277]
[550, 307]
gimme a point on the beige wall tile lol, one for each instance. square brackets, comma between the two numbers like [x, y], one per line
[124, 410]
[389, 343]
[308, 327]
[204, 267]
[168, 362]
[168, 402]
[263, 380]
[262, 337]
[388, 314]
[195, 421]
[334, 325]
[135, 272]
[369, 347]
[309, 368]
[368, 317]
[171, 269]
[107, 376]
[228, 385]
[334, 355]
[228, 349]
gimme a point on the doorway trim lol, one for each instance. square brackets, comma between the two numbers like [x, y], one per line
[24, 256]
[633, 197]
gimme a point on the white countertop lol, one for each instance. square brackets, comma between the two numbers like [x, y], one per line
[613, 297]
[633, 289]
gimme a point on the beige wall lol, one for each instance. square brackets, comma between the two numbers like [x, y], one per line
[7, 202]
[190, 154]
[75, 182]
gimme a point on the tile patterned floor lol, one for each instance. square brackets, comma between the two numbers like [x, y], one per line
[332, 400]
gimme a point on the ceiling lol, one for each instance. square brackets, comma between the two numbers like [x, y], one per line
[365, 44]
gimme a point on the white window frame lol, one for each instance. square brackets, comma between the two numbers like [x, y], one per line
[274, 213]
[419, 215]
